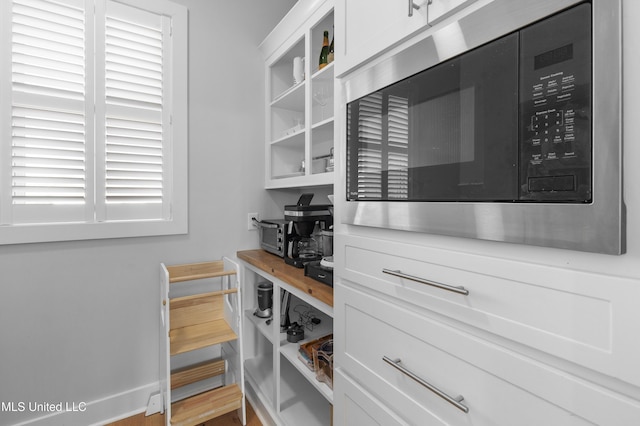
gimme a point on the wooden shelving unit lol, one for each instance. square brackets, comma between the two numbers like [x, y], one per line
[209, 388]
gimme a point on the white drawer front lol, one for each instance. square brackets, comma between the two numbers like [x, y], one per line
[576, 316]
[353, 406]
[499, 387]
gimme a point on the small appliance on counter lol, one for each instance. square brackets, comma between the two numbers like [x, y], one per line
[273, 235]
[265, 300]
[302, 246]
[321, 270]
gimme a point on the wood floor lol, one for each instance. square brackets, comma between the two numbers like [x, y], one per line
[230, 419]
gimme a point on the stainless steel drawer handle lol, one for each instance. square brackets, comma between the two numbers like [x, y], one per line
[396, 273]
[457, 401]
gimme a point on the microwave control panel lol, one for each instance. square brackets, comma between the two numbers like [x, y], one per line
[555, 108]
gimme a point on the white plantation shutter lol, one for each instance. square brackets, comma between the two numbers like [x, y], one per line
[48, 117]
[132, 137]
[93, 119]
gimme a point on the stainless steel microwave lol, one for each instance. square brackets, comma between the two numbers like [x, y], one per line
[504, 124]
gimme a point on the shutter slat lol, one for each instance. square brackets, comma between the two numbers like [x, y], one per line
[133, 175]
[48, 154]
[134, 133]
[46, 182]
[115, 158]
[52, 173]
[137, 34]
[133, 62]
[49, 6]
[134, 71]
[48, 59]
[135, 167]
[47, 163]
[52, 26]
[48, 134]
[153, 82]
[141, 91]
[135, 150]
[152, 57]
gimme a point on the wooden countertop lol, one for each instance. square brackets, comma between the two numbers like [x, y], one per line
[275, 266]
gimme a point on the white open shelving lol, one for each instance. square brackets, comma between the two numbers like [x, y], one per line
[286, 387]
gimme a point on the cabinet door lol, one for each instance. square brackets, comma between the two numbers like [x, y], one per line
[355, 406]
[585, 320]
[433, 373]
[441, 9]
[371, 28]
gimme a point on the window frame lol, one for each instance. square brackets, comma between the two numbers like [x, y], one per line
[176, 221]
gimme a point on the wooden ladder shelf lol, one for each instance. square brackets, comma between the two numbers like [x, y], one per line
[197, 321]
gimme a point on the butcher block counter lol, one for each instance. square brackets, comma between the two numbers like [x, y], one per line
[275, 266]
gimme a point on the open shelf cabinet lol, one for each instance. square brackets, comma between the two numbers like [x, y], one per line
[287, 389]
[201, 368]
[300, 114]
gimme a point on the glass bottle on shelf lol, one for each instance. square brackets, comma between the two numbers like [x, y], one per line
[324, 53]
[331, 52]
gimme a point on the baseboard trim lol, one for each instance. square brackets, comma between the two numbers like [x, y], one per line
[101, 411]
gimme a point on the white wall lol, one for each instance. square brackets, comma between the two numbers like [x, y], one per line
[79, 320]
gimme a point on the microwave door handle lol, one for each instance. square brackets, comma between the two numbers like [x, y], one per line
[261, 224]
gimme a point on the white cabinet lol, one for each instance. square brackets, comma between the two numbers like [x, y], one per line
[566, 313]
[299, 112]
[286, 389]
[369, 28]
[437, 374]
[520, 342]
[441, 9]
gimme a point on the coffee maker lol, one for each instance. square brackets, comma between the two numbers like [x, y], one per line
[303, 218]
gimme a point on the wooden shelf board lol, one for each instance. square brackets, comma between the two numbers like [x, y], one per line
[205, 406]
[199, 336]
[275, 266]
[195, 297]
[197, 271]
[197, 372]
[197, 308]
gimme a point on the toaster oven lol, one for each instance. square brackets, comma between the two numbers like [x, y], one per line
[273, 235]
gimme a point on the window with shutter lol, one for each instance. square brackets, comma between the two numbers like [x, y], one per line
[92, 119]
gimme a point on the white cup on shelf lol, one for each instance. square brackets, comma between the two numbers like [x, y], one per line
[298, 70]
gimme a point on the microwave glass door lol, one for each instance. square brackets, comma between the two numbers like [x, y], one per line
[447, 133]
